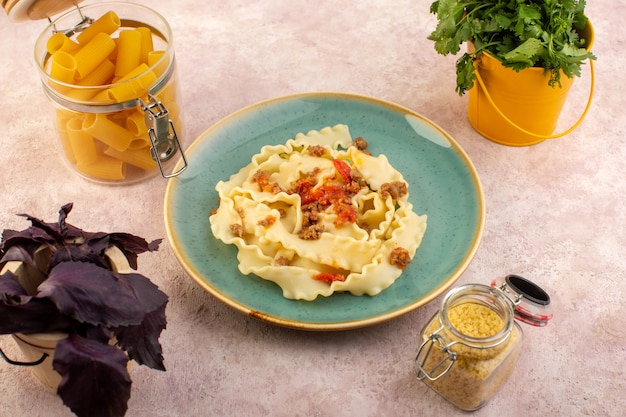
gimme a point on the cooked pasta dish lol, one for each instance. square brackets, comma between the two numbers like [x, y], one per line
[318, 215]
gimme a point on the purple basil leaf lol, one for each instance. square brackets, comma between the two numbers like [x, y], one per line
[77, 253]
[97, 242]
[95, 380]
[134, 244]
[142, 341]
[129, 244]
[63, 213]
[11, 291]
[30, 233]
[148, 295]
[41, 232]
[36, 316]
[43, 229]
[92, 294]
[99, 333]
[55, 231]
[21, 313]
[29, 240]
[20, 253]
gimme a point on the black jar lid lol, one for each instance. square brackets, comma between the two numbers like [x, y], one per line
[532, 303]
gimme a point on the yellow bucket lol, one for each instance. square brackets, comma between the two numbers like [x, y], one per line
[520, 108]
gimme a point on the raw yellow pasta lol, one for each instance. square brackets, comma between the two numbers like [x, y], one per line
[141, 143]
[107, 23]
[147, 45]
[60, 42]
[128, 52]
[114, 135]
[100, 75]
[105, 168]
[154, 57]
[140, 158]
[62, 117]
[107, 64]
[102, 97]
[134, 84]
[136, 123]
[93, 54]
[82, 143]
[63, 67]
[88, 86]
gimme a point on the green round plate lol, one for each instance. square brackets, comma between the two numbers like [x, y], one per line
[443, 184]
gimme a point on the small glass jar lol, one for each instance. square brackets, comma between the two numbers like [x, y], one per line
[110, 72]
[470, 346]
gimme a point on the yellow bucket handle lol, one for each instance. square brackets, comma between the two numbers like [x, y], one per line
[568, 131]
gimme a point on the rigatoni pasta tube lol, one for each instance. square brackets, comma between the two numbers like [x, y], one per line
[100, 75]
[63, 67]
[87, 86]
[81, 142]
[60, 42]
[140, 143]
[104, 168]
[107, 23]
[141, 158]
[114, 135]
[136, 123]
[135, 84]
[128, 52]
[155, 61]
[93, 54]
[61, 121]
[147, 45]
[102, 97]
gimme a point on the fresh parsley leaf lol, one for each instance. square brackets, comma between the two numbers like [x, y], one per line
[519, 33]
[525, 53]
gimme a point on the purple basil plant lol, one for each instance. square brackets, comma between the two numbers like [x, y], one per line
[81, 294]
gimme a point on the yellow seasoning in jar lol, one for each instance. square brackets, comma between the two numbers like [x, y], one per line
[470, 346]
[475, 320]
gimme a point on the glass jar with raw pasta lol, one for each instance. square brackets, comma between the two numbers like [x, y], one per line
[109, 70]
[470, 346]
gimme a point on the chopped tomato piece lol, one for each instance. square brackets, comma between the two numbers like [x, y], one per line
[346, 213]
[344, 169]
[329, 278]
[329, 193]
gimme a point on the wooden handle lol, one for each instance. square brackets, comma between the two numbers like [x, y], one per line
[19, 10]
[42, 9]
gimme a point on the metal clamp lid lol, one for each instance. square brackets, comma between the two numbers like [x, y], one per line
[532, 303]
[443, 366]
[163, 136]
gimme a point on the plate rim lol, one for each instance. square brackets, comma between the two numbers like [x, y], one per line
[337, 325]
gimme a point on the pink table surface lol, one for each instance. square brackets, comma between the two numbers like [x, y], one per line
[556, 213]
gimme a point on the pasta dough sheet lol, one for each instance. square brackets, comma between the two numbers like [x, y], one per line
[319, 215]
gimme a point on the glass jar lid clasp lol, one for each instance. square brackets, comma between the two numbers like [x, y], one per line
[440, 368]
[85, 22]
[163, 136]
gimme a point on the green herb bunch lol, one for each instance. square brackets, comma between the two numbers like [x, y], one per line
[519, 33]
